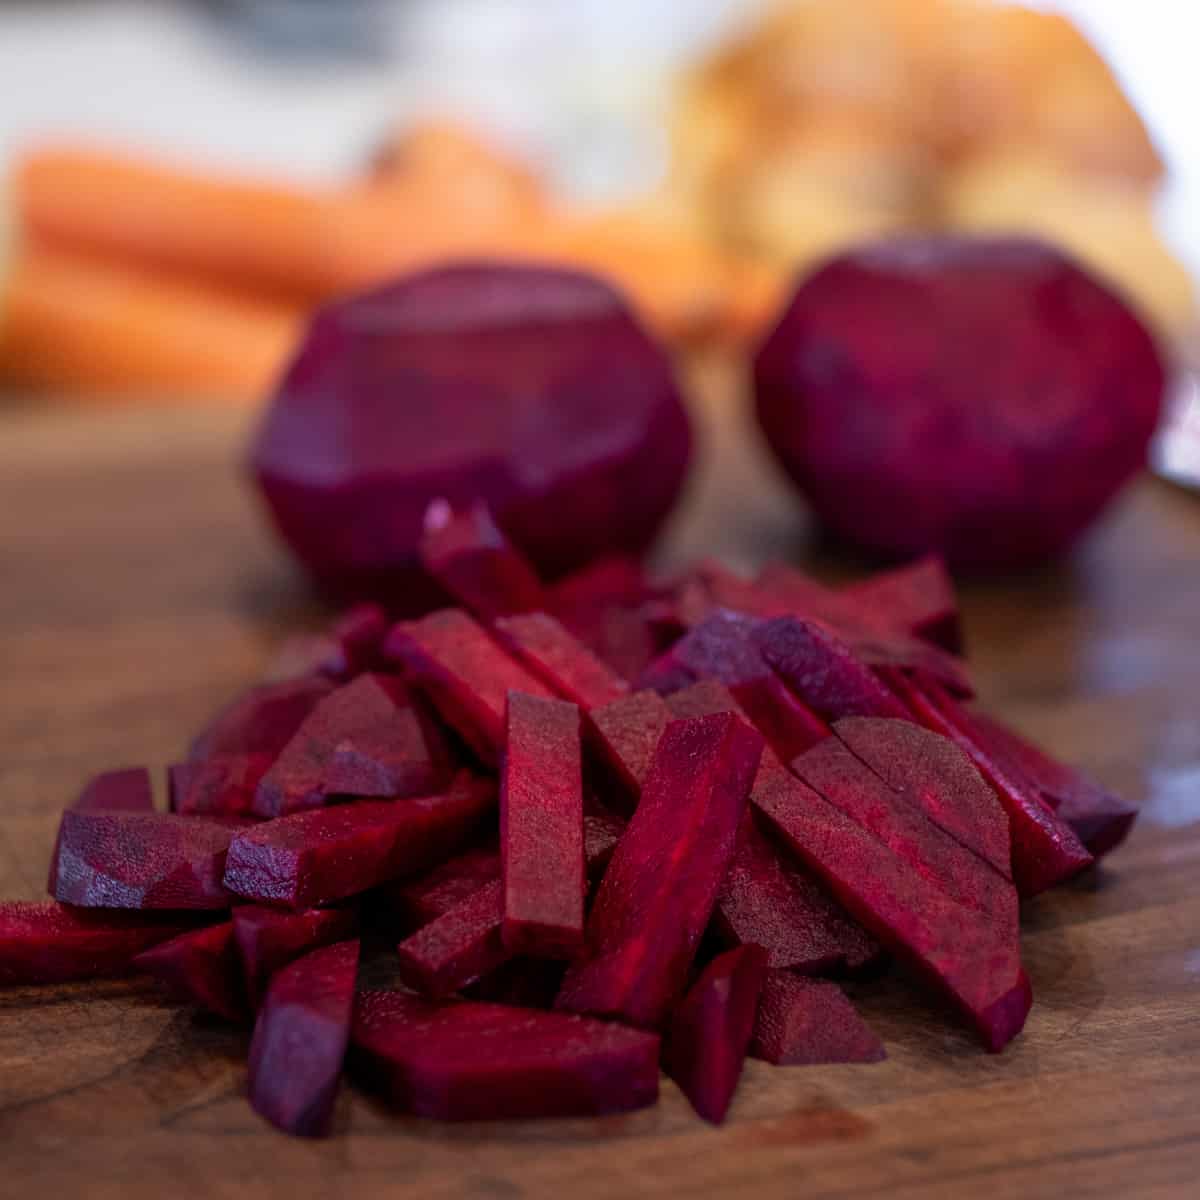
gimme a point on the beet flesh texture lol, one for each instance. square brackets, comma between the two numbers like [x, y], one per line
[411, 903]
[625, 734]
[268, 939]
[222, 786]
[46, 942]
[465, 1061]
[979, 398]
[326, 854]
[109, 859]
[466, 675]
[710, 1030]
[532, 390]
[918, 596]
[300, 1039]
[261, 720]
[367, 738]
[203, 967]
[541, 827]
[128, 790]
[560, 661]
[803, 1022]
[665, 875]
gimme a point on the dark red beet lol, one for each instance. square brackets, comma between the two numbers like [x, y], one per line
[706, 1042]
[268, 939]
[530, 389]
[521, 983]
[139, 860]
[357, 638]
[666, 872]
[412, 903]
[326, 854]
[466, 675]
[541, 827]
[602, 830]
[261, 720]
[918, 597]
[201, 966]
[46, 942]
[129, 790]
[463, 1061]
[625, 734]
[560, 661]
[803, 1022]
[367, 738]
[871, 394]
[300, 1040]
[222, 786]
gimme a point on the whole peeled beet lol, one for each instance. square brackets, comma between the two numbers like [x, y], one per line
[981, 398]
[530, 389]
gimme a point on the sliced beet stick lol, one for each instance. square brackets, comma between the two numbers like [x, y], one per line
[918, 597]
[625, 734]
[201, 966]
[562, 662]
[129, 790]
[221, 786]
[803, 1022]
[261, 720]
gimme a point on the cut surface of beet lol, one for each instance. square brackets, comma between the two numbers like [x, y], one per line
[261, 720]
[626, 733]
[411, 903]
[803, 1022]
[560, 661]
[220, 786]
[270, 938]
[203, 967]
[129, 790]
[918, 597]
[300, 1039]
[602, 830]
[709, 1032]
[466, 1061]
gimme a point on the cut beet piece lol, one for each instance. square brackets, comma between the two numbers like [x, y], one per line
[960, 951]
[326, 854]
[464, 1061]
[46, 942]
[472, 561]
[541, 827]
[802, 1022]
[367, 738]
[261, 720]
[203, 967]
[129, 790]
[268, 939]
[662, 883]
[626, 734]
[139, 860]
[412, 903]
[300, 1040]
[356, 639]
[706, 1043]
[520, 982]
[560, 661]
[918, 597]
[221, 786]
[465, 673]
[602, 830]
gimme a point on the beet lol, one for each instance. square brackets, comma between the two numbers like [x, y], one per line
[46, 942]
[466, 675]
[662, 883]
[705, 1045]
[222, 786]
[129, 790]
[530, 389]
[521, 983]
[268, 939]
[803, 1022]
[261, 720]
[602, 830]
[356, 639]
[415, 902]
[464, 1061]
[325, 854]
[367, 738]
[202, 967]
[300, 1040]
[870, 392]
[626, 733]
[109, 859]
[918, 597]
[541, 827]
[560, 661]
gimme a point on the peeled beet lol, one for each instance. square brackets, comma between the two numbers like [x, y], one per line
[530, 389]
[707, 1038]
[128, 791]
[982, 398]
[300, 1040]
[465, 1061]
[203, 967]
[625, 734]
[221, 786]
[417, 901]
[560, 661]
[261, 720]
[268, 939]
[803, 1022]
[918, 597]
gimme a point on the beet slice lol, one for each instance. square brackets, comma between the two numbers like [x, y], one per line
[466, 1061]
[466, 675]
[560, 661]
[541, 827]
[300, 1040]
[325, 854]
[261, 720]
[128, 790]
[666, 873]
[472, 561]
[203, 967]
[46, 942]
[221, 786]
[268, 939]
[918, 597]
[602, 830]
[803, 1022]
[626, 733]
[367, 738]
[109, 859]
[416, 902]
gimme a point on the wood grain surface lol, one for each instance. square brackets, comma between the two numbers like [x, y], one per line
[139, 589]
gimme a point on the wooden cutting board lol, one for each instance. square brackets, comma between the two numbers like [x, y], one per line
[138, 589]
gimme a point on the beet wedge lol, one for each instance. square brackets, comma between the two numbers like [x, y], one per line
[326, 854]
[541, 828]
[221, 786]
[106, 859]
[466, 1061]
[563, 663]
[268, 939]
[625, 735]
[262, 720]
[128, 790]
[918, 598]
[706, 1041]
[201, 966]
[465, 673]
[666, 872]
[300, 1039]
[803, 1022]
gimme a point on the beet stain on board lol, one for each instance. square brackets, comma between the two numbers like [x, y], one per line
[203, 967]
[270, 938]
[803, 1022]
